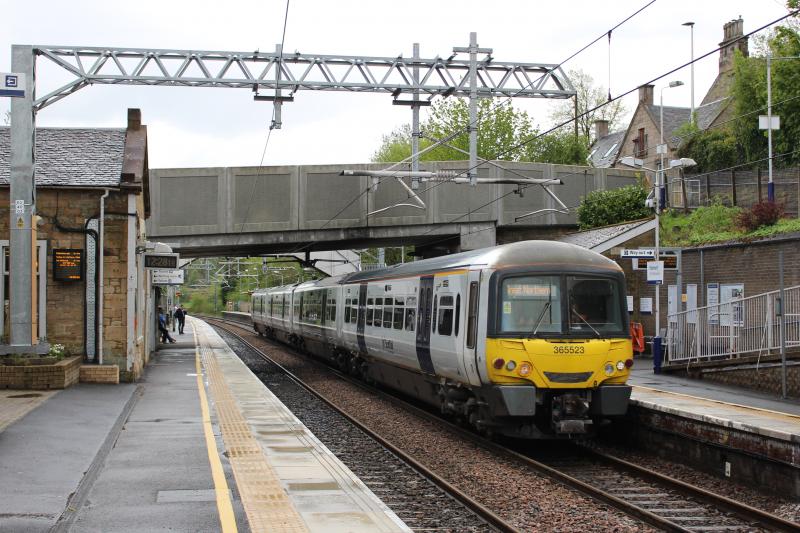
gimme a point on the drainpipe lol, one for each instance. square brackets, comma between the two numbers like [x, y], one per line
[100, 296]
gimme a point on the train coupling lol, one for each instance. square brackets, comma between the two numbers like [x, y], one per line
[571, 414]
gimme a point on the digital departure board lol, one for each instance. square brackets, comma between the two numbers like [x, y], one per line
[161, 261]
[67, 264]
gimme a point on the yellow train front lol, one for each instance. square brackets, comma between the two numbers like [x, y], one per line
[557, 347]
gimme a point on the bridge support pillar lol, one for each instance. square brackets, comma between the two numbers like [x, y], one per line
[477, 235]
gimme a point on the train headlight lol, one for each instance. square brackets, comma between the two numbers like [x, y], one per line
[609, 369]
[620, 365]
[511, 365]
[524, 369]
[499, 363]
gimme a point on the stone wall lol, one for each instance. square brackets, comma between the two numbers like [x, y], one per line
[69, 208]
[58, 375]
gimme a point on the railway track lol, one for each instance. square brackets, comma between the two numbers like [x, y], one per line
[402, 483]
[660, 501]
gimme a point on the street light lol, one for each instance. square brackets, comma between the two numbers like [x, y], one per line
[691, 29]
[633, 162]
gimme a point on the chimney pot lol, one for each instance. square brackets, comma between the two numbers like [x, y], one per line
[600, 129]
[646, 94]
[134, 119]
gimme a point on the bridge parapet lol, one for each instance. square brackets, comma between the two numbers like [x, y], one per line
[211, 211]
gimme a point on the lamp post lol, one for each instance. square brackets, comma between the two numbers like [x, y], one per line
[691, 82]
[684, 162]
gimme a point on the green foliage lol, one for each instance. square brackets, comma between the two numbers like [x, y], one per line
[750, 96]
[614, 206]
[712, 149]
[715, 223]
[764, 213]
[706, 224]
[504, 133]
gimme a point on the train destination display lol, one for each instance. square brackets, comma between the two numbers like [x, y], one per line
[67, 264]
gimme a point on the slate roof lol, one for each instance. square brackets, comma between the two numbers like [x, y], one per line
[604, 151]
[74, 157]
[675, 117]
[602, 239]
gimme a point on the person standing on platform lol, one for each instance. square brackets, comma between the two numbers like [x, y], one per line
[162, 327]
[180, 317]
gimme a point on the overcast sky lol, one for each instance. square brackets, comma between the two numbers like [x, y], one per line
[224, 127]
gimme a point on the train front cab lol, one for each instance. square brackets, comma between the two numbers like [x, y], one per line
[558, 351]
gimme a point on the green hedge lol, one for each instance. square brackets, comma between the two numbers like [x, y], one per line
[614, 206]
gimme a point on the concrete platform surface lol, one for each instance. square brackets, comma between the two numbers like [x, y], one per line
[722, 405]
[285, 475]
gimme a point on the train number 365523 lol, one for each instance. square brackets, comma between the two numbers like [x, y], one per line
[569, 349]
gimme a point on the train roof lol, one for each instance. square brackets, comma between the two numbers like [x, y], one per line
[518, 254]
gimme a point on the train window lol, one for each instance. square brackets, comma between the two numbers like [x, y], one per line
[398, 313]
[472, 315]
[531, 304]
[387, 312]
[458, 313]
[347, 310]
[370, 311]
[445, 317]
[331, 309]
[411, 312]
[594, 306]
[378, 320]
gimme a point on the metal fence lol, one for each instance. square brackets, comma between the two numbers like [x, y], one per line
[742, 326]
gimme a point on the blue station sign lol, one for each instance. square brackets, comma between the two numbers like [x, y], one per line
[12, 84]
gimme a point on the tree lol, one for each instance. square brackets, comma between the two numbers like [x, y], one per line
[504, 133]
[589, 97]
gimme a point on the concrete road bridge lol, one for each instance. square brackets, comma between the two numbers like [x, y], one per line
[204, 212]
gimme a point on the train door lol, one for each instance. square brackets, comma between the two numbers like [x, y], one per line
[471, 327]
[424, 320]
[360, 321]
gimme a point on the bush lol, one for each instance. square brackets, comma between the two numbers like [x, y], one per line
[602, 208]
[762, 214]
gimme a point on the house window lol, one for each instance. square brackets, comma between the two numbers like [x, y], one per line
[640, 144]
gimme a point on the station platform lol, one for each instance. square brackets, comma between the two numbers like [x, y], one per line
[721, 405]
[200, 444]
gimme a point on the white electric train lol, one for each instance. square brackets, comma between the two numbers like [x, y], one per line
[528, 339]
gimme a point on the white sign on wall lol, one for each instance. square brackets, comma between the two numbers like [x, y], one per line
[712, 301]
[630, 303]
[655, 272]
[731, 313]
[646, 306]
[168, 277]
[672, 302]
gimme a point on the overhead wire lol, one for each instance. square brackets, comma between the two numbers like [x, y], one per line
[554, 128]
[269, 132]
[478, 119]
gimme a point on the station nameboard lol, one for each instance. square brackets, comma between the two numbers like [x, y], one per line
[67, 264]
[169, 261]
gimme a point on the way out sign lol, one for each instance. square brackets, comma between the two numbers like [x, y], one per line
[12, 84]
[655, 272]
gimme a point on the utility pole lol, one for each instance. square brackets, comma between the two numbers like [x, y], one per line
[473, 52]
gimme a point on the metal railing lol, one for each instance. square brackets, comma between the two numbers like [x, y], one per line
[742, 326]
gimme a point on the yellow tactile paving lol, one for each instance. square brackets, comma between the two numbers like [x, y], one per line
[14, 404]
[328, 496]
[266, 504]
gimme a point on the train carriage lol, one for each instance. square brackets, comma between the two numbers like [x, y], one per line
[527, 339]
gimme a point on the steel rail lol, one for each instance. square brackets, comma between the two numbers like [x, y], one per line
[483, 512]
[740, 510]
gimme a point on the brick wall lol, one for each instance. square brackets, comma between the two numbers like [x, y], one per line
[766, 378]
[41, 377]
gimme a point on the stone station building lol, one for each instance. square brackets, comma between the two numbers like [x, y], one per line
[75, 168]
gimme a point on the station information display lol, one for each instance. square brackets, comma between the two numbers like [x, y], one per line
[67, 264]
[169, 261]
